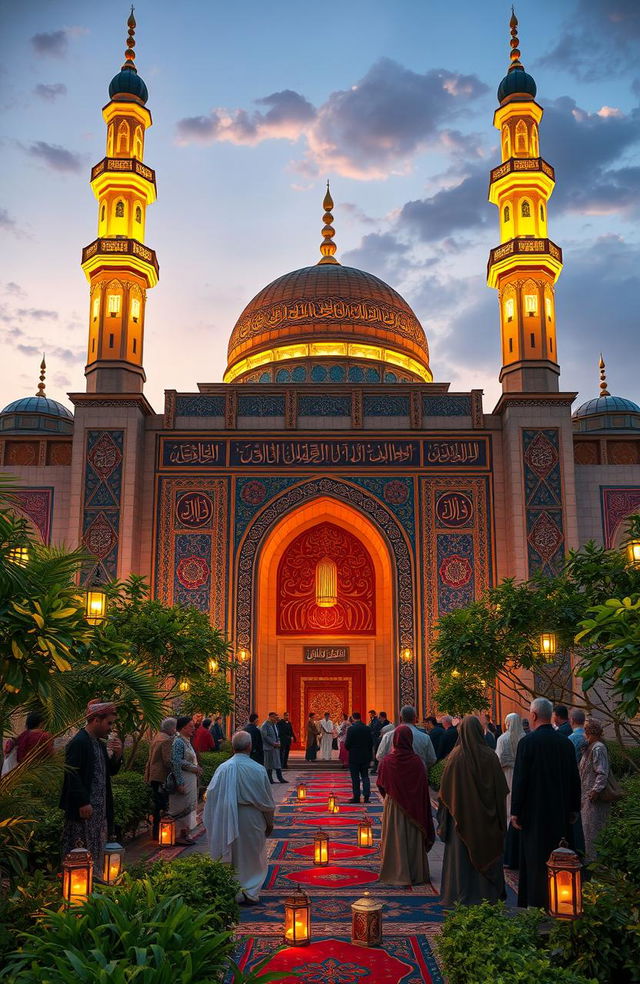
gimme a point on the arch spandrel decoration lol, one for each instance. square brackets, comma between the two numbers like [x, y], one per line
[247, 574]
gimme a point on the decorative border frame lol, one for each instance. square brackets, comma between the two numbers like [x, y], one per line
[36, 505]
[616, 503]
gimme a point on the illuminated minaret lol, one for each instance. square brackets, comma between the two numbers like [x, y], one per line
[118, 266]
[525, 267]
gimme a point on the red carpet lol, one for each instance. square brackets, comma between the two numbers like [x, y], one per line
[321, 807]
[332, 876]
[330, 821]
[337, 851]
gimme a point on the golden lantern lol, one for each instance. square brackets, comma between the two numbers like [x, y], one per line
[243, 655]
[112, 857]
[183, 686]
[366, 922]
[406, 655]
[321, 848]
[326, 583]
[167, 832]
[19, 556]
[633, 552]
[548, 644]
[77, 876]
[301, 791]
[332, 803]
[95, 605]
[564, 879]
[365, 833]
[214, 665]
[297, 919]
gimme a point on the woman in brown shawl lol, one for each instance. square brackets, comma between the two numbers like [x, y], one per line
[407, 825]
[472, 820]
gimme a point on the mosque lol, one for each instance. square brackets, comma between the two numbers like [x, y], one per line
[330, 499]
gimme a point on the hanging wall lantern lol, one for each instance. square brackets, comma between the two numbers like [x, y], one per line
[77, 876]
[326, 583]
[406, 654]
[301, 791]
[366, 922]
[548, 645]
[297, 919]
[321, 848]
[112, 858]
[633, 552]
[243, 655]
[564, 878]
[365, 833]
[95, 605]
[167, 832]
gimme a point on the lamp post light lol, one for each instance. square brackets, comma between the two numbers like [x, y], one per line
[297, 919]
[564, 879]
[321, 848]
[167, 832]
[366, 922]
[633, 552]
[95, 604]
[548, 644]
[365, 833]
[112, 858]
[77, 876]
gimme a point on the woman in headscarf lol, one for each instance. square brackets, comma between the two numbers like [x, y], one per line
[407, 825]
[343, 754]
[506, 748]
[594, 773]
[184, 763]
[472, 820]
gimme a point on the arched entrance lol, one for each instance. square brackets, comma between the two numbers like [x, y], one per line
[277, 673]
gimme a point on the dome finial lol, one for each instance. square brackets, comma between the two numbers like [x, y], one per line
[327, 246]
[514, 43]
[604, 390]
[43, 371]
[130, 55]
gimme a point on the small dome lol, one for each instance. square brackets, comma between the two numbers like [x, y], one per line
[128, 82]
[38, 404]
[606, 404]
[517, 81]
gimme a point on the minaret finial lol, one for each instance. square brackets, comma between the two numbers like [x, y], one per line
[604, 390]
[327, 246]
[130, 55]
[43, 371]
[515, 43]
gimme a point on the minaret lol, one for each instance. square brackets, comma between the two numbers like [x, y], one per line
[525, 267]
[118, 266]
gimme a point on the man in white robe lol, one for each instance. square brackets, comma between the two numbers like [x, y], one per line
[327, 734]
[238, 815]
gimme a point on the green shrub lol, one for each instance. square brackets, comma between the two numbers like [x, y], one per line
[24, 905]
[622, 761]
[485, 943]
[138, 761]
[198, 881]
[46, 839]
[618, 843]
[210, 762]
[126, 936]
[435, 774]
[132, 801]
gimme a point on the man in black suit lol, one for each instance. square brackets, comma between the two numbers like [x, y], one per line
[257, 753]
[545, 800]
[435, 732]
[561, 720]
[359, 744]
[449, 738]
[285, 730]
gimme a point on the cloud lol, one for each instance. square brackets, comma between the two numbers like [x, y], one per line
[56, 157]
[599, 40]
[54, 44]
[37, 314]
[50, 92]
[369, 131]
[460, 208]
[7, 222]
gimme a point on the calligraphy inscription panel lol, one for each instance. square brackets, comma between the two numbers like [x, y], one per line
[456, 453]
[326, 654]
[202, 453]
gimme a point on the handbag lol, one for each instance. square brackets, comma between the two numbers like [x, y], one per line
[170, 784]
[612, 792]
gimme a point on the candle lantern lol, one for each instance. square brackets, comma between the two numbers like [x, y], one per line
[77, 876]
[297, 919]
[302, 791]
[213, 665]
[366, 922]
[321, 848]
[564, 879]
[633, 552]
[167, 832]
[332, 802]
[95, 605]
[112, 857]
[548, 645]
[19, 556]
[365, 833]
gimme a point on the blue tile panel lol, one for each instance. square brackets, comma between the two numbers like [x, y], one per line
[324, 406]
[200, 406]
[386, 406]
[446, 406]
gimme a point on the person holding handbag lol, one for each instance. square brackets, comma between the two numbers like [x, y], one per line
[595, 782]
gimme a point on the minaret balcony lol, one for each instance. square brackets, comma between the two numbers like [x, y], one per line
[119, 254]
[122, 173]
[521, 172]
[524, 253]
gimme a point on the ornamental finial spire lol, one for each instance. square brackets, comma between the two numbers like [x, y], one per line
[129, 55]
[43, 371]
[514, 43]
[327, 246]
[604, 390]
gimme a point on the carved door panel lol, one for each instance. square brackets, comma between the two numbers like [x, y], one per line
[337, 689]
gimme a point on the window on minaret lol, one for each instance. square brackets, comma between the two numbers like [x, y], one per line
[535, 150]
[507, 213]
[521, 137]
[531, 304]
[525, 210]
[102, 214]
[96, 308]
[135, 309]
[120, 209]
[138, 214]
[542, 213]
[509, 309]
[123, 138]
[114, 305]
[506, 143]
[548, 307]
[137, 143]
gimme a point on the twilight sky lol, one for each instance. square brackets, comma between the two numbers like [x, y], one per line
[254, 106]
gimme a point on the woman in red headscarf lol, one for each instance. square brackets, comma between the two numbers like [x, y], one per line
[407, 825]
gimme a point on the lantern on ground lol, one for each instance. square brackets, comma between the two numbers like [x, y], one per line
[321, 848]
[77, 876]
[332, 803]
[167, 832]
[19, 556]
[297, 919]
[365, 833]
[548, 645]
[95, 605]
[302, 791]
[633, 552]
[214, 666]
[366, 922]
[112, 857]
[564, 879]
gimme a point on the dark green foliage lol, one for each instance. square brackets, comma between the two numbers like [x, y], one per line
[132, 801]
[484, 944]
[619, 841]
[198, 881]
[19, 910]
[44, 847]
[210, 762]
[435, 774]
[137, 761]
[624, 760]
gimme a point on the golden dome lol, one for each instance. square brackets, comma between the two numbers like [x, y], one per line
[328, 313]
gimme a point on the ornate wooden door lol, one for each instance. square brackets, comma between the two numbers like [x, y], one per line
[339, 689]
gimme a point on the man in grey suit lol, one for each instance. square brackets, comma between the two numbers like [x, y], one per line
[271, 747]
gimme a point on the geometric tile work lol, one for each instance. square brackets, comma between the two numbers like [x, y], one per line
[191, 544]
[543, 500]
[200, 406]
[618, 502]
[446, 406]
[102, 500]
